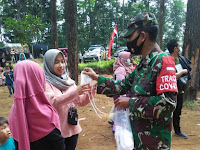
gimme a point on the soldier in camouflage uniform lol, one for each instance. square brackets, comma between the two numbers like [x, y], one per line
[152, 83]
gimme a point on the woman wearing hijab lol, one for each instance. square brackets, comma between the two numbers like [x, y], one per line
[33, 121]
[122, 67]
[22, 57]
[63, 94]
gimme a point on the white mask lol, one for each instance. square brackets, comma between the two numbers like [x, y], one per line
[128, 62]
[180, 50]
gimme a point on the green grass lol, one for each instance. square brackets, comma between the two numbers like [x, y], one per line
[99, 67]
[193, 105]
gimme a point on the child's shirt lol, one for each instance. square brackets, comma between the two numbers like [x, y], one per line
[9, 78]
[9, 145]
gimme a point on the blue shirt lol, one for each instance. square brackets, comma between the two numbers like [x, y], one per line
[9, 145]
[9, 78]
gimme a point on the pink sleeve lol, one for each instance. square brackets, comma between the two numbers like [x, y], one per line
[83, 100]
[57, 99]
[23, 139]
[120, 77]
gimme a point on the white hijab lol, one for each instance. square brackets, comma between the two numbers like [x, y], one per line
[61, 82]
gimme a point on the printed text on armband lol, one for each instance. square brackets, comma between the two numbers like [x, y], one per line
[167, 86]
[168, 82]
[168, 78]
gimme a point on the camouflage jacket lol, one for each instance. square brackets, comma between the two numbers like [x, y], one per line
[151, 114]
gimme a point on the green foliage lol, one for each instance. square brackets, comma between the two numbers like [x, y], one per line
[18, 9]
[100, 67]
[174, 21]
[95, 19]
[1, 44]
[103, 67]
[136, 60]
[26, 30]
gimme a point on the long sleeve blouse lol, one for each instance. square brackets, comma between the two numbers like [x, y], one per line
[62, 100]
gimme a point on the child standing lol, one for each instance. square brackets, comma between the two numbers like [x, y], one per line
[33, 121]
[6, 141]
[9, 80]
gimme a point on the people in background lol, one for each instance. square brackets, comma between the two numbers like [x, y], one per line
[10, 66]
[182, 68]
[63, 93]
[80, 57]
[34, 122]
[2, 77]
[6, 140]
[9, 80]
[31, 56]
[16, 56]
[22, 57]
[12, 53]
[3, 61]
[66, 55]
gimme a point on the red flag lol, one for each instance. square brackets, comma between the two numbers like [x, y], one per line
[111, 41]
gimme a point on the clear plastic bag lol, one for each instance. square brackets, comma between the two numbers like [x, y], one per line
[84, 80]
[123, 133]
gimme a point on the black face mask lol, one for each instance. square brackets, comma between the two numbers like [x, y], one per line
[133, 48]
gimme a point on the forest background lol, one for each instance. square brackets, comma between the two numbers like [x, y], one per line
[95, 20]
[77, 24]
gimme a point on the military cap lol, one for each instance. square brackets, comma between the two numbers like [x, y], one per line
[140, 20]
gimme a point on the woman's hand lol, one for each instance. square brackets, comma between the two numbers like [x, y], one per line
[184, 71]
[122, 102]
[83, 88]
[90, 72]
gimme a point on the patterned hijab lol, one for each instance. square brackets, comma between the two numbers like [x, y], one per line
[61, 82]
[120, 64]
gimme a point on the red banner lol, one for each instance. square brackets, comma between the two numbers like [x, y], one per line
[111, 41]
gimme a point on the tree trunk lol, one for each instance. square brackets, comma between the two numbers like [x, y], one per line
[161, 21]
[71, 22]
[54, 38]
[191, 46]
[41, 10]
[18, 9]
[90, 27]
[92, 40]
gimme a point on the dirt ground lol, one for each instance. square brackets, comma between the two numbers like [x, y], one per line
[97, 133]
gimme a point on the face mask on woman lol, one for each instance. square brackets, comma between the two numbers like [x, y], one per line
[128, 62]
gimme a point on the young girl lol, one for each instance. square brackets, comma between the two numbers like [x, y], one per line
[63, 94]
[33, 121]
